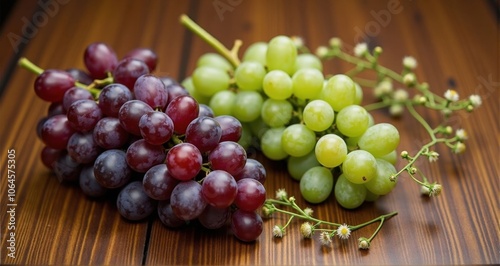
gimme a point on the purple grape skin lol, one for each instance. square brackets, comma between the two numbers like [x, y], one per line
[80, 76]
[82, 148]
[167, 81]
[167, 216]
[56, 132]
[111, 169]
[174, 90]
[204, 133]
[231, 128]
[219, 189]
[49, 156]
[39, 126]
[146, 55]
[141, 156]
[56, 109]
[130, 113]
[246, 226]
[88, 183]
[150, 89]
[109, 134]
[228, 156]
[205, 110]
[51, 85]
[187, 201]
[112, 97]
[253, 169]
[182, 110]
[67, 169]
[133, 203]
[74, 94]
[251, 194]
[156, 127]
[158, 183]
[100, 59]
[83, 115]
[128, 71]
[214, 218]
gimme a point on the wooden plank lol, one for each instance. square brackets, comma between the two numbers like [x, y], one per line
[455, 43]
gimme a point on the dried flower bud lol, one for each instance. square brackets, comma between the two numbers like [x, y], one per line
[278, 231]
[461, 134]
[325, 238]
[459, 148]
[363, 243]
[306, 230]
[281, 194]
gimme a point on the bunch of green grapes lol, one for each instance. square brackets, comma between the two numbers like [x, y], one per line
[330, 142]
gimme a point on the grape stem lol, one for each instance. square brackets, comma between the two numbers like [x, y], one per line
[32, 67]
[297, 212]
[230, 55]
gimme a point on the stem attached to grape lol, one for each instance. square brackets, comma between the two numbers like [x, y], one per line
[230, 55]
[27, 64]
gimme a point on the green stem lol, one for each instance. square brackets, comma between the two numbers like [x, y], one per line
[380, 218]
[230, 55]
[27, 64]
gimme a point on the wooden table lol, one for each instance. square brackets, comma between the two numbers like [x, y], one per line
[456, 44]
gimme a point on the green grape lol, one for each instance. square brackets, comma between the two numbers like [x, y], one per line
[298, 140]
[281, 54]
[348, 194]
[247, 106]
[359, 94]
[352, 120]
[258, 127]
[270, 144]
[371, 121]
[308, 61]
[214, 60]
[209, 80]
[352, 143]
[307, 83]
[379, 139]
[318, 115]
[256, 52]
[297, 166]
[381, 184]
[246, 136]
[339, 92]
[359, 167]
[276, 113]
[316, 184]
[391, 157]
[371, 197]
[278, 85]
[187, 83]
[249, 76]
[331, 150]
[222, 102]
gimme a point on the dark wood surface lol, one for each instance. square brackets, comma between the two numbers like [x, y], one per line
[456, 44]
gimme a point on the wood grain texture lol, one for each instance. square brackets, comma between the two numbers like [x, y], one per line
[456, 44]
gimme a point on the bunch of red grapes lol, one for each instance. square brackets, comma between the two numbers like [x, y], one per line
[117, 126]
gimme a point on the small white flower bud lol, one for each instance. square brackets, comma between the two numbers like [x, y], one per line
[400, 95]
[322, 51]
[335, 42]
[475, 100]
[360, 49]
[409, 79]
[409, 62]
[451, 95]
